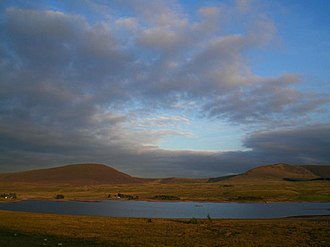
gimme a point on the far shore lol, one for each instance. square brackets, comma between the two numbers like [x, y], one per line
[148, 200]
[246, 191]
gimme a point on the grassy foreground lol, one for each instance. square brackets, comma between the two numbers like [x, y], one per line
[32, 229]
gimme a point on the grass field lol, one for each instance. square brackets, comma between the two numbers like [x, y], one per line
[247, 190]
[31, 229]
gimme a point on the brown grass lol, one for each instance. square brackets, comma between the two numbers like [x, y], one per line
[221, 191]
[312, 231]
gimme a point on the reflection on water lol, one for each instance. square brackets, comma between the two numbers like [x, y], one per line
[171, 209]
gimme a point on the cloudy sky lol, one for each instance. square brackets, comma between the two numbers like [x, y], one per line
[164, 88]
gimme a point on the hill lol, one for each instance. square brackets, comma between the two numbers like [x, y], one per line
[281, 172]
[77, 174]
[95, 174]
[321, 171]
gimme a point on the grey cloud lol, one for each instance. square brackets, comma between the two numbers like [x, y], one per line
[243, 5]
[159, 13]
[39, 37]
[211, 19]
[65, 47]
[308, 144]
[69, 85]
[304, 145]
[266, 100]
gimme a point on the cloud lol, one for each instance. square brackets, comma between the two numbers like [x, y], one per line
[302, 145]
[109, 82]
[92, 60]
[305, 145]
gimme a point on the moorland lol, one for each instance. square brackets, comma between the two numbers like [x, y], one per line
[279, 182]
[31, 229]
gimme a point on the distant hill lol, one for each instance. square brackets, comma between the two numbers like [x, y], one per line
[77, 174]
[281, 172]
[321, 171]
[93, 174]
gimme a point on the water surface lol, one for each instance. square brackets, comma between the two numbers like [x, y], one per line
[145, 209]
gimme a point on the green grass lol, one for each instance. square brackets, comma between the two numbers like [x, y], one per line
[165, 197]
[314, 198]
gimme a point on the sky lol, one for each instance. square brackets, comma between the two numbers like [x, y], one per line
[164, 88]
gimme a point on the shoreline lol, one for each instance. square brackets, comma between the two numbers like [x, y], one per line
[297, 217]
[155, 200]
[324, 216]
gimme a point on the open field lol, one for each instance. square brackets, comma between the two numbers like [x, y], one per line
[97, 182]
[31, 229]
[247, 190]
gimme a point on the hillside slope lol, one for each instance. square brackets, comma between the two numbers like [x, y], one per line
[283, 172]
[321, 171]
[78, 174]
[280, 172]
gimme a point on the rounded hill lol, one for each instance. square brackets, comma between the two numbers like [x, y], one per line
[278, 172]
[78, 174]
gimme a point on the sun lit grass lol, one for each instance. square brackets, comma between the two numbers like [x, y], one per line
[30, 229]
[202, 191]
